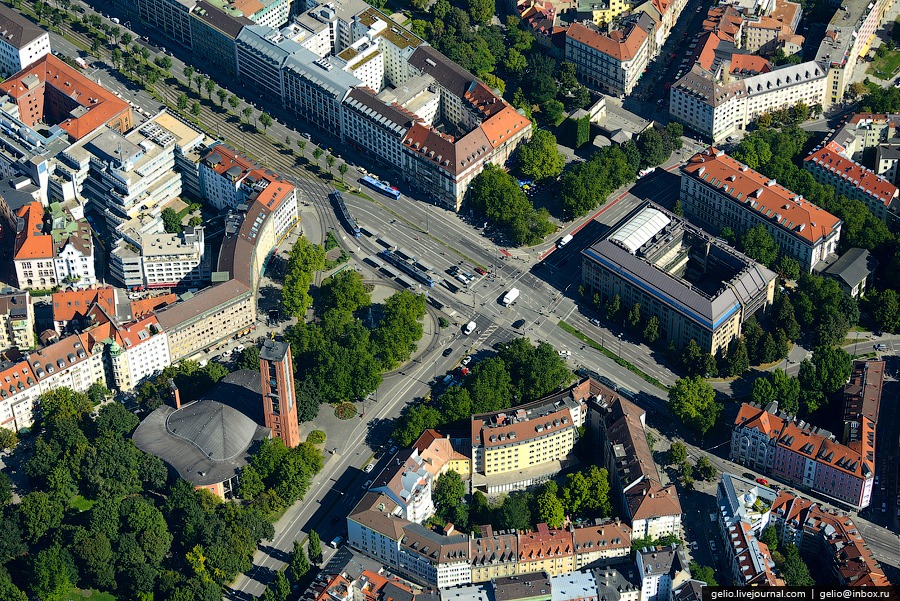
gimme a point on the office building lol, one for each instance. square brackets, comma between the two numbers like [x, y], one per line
[517, 447]
[278, 396]
[21, 43]
[213, 35]
[829, 167]
[161, 260]
[612, 63]
[699, 288]
[16, 320]
[717, 191]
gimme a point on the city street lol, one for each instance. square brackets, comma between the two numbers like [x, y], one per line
[549, 294]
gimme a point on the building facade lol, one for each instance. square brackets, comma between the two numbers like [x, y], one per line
[651, 258]
[612, 63]
[718, 191]
[851, 179]
[22, 42]
[16, 320]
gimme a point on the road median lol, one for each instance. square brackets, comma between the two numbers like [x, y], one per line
[599, 347]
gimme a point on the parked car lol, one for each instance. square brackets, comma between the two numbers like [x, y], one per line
[368, 469]
[595, 322]
[466, 360]
[762, 481]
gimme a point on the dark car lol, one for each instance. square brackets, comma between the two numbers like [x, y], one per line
[749, 476]
[447, 351]
[518, 323]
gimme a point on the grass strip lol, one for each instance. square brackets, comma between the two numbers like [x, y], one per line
[597, 346]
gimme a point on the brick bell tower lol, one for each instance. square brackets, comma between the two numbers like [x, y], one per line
[279, 402]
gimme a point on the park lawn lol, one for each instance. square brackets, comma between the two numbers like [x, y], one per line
[884, 68]
[80, 503]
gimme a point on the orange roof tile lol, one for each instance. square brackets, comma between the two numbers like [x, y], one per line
[69, 89]
[761, 194]
[621, 45]
[31, 241]
[705, 54]
[828, 160]
[749, 63]
[504, 125]
[146, 305]
[70, 304]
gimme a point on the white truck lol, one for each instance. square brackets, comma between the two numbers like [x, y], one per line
[510, 297]
[564, 240]
[81, 62]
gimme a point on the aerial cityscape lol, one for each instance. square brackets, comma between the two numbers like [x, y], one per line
[448, 300]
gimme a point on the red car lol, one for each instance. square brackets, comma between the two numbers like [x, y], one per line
[480, 271]
[762, 481]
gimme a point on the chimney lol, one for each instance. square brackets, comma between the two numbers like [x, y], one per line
[176, 396]
[448, 529]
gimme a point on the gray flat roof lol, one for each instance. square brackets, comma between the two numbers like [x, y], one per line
[679, 294]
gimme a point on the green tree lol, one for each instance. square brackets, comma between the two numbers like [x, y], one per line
[95, 556]
[171, 221]
[314, 547]
[299, 563]
[247, 112]
[652, 148]
[265, 120]
[539, 157]
[515, 512]
[304, 260]
[651, 330]
[195, 109]
[634, 315]
[811, 396]
[550, 509]
[281, 586]
[693, 401]
[763, 392]
[182, 101]
[490, 386]
[706, 469]
[414, 421]
[301, 144]
[613, 307]
[317, 154]
[233, 102]
[342, 169]
[8, 439]
[703, 574]
[769, 536]
[210, 86]
[677, 453]
[495, 195]
[787, 391]
[329, 160]
[251, 484]
[582, 128]
[885, 306]
[794, 570]
[481, 11]
[9, 591]
[53, 572]
[249, 358]
[759, 245]
[553, 111]
[737, 361]
[64, 404]
[833, 367]
[788, 267]
[456, 404]
[188, 73]
[448, 493]
[345, 291]
[695, 361]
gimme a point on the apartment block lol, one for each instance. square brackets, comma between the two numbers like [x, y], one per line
[717, 107]
[53, 251]
[409, 484]
[72, 308]
[16, 320]
[848, 38]
[829, 167]
[494, 555]
[662, 570]
[809, 457]
[826, 537]
[22, 42]
[699, 288]
[744, 508]
[161, 260]
[546, 551]
[607, 542]
[717, 191]
[653, 510]
[527, 444]
[612, 63]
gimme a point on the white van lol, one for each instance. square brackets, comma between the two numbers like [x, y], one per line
[336, 541]
[469, 328]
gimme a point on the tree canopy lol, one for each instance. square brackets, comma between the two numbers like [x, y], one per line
[496, 195]
[693, 401]
[539, 157]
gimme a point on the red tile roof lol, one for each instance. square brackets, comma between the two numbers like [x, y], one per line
[545, 543]
[31, 241]
[70, 304]
[56, 89]
[146, 305]
[621, 45]
[761, 194]
[749, 64]
[705, 53]
[828, 160]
